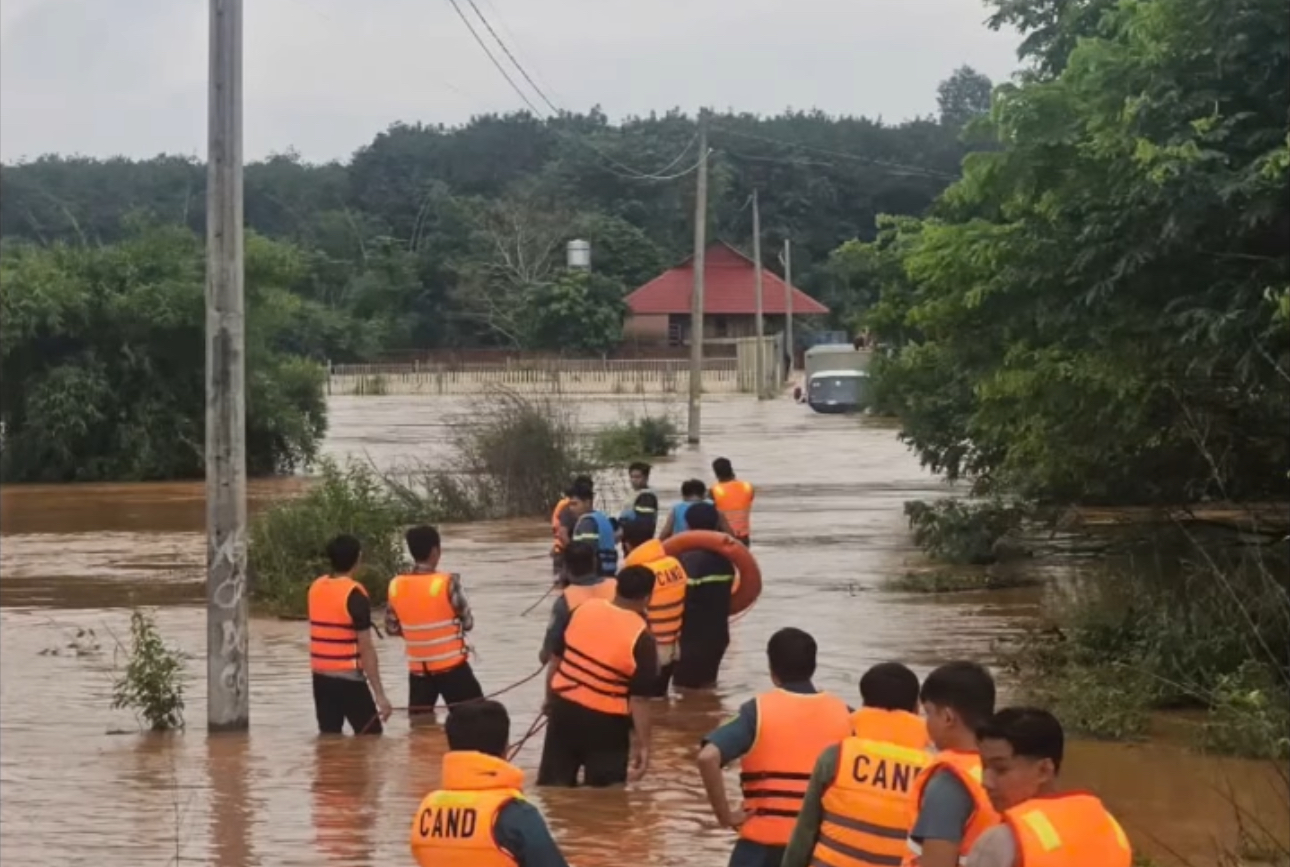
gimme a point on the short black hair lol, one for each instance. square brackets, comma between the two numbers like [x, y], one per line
[637, 531]
[890, 686]
[481, 726]
[964, 687]
[693, 488]
[640, 467]
[701, 516]
[422, 540]
[582, 490]
[342, 552]
[723, 469]
[1032, 732]
[580, 559]
[791, 653]
[635, 582]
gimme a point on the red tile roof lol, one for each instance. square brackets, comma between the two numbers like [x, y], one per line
[729, 287]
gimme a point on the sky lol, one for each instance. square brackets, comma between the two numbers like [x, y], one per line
[128, 77]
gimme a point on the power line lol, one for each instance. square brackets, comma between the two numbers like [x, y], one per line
[917, 170]
[480, 42]
[518, 65]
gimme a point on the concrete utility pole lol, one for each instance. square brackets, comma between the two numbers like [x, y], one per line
[788, 305]
[696, 297]
[761, 323]
[227, 691]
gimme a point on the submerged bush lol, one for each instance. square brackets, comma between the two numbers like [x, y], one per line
[152, 684]
[649, 436]
[958, 531]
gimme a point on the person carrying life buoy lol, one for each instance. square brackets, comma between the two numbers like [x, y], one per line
[705, 631]
[951, 807]
[582, 581]
[601, 671]
[346, 669]
[479, 817]
[856, 809]
[667, 603]
[1021, 750]
[594, 527]
[428, 608]
[776, 738]
[734, 500]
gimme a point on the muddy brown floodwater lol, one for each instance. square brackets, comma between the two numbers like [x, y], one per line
[829, 529]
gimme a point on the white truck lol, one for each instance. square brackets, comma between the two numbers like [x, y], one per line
[836, 378]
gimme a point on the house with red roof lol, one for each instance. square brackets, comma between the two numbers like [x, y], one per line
[659, 311]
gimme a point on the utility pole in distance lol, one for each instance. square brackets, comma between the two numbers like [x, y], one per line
[788, 305]
[227, 692]
[696, 296]
[760, 366]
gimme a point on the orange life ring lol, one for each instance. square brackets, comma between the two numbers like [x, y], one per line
[747, 573]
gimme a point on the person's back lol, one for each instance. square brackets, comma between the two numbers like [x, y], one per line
[692, 491]
[584, 583]
[705, 631]
[666, 614]
[734, 500]
[479, 817]
[859, 793]
[1021, 751]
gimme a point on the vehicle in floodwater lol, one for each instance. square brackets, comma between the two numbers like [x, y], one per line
[836, 378]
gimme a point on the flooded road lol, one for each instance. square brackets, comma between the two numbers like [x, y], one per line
[829, 529]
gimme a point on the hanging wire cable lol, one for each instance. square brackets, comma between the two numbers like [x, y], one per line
[533, 84]
[914, 170]
[480, 42]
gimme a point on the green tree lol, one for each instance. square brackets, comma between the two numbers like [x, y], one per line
[575, 313]
[963, 97]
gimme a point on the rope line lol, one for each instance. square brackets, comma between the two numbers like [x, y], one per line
[491, 695]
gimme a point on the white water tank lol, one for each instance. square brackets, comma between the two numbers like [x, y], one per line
[579, 255]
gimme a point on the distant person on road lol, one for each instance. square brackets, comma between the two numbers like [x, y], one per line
[479, 818]
[594, 527]
[858, 795]
[644, 502]
[583, 581]
[1021, 749]
[428, 608]
[705, 631]
[346, 669]
[600, 675]
[734, 499]
[562, 523]
[776, 738]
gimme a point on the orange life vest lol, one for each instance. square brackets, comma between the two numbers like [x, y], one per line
[792, 730]
[734, 500]
[867, 808]
[453, 827]
[557, 546]
[667, 602]
[599, 657]
[576, 594]
[333, 641]
[967, 767]
[433, 639]
[1072, 829]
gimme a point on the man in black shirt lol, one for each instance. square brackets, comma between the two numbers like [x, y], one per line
[705, 632]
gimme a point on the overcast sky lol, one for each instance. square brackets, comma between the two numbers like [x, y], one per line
[108, 77]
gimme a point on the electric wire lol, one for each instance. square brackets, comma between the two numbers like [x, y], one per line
[915, 170]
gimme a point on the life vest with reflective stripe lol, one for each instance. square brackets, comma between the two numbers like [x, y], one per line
[867, 817]
[734, 501]
[453, 827]
[333, 642]
[1072, 829]
[433, 639]
[667, 602]
[599, 657]
[967, 767]
[556, 545]
[603, 539]
[792, 730]
[576, 594]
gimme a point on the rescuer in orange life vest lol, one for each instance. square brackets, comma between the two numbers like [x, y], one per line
[563, 520]
[667, 602]
[1021, 749]
[582, 581]
[429, 609]
[480, 818]
[601, 672]
[856, 809]
[734, 500]
[341, 653]
[950, 802]
[776, 737]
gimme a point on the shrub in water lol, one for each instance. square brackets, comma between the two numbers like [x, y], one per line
[152, 685]
[957, 531]
[650, 436]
